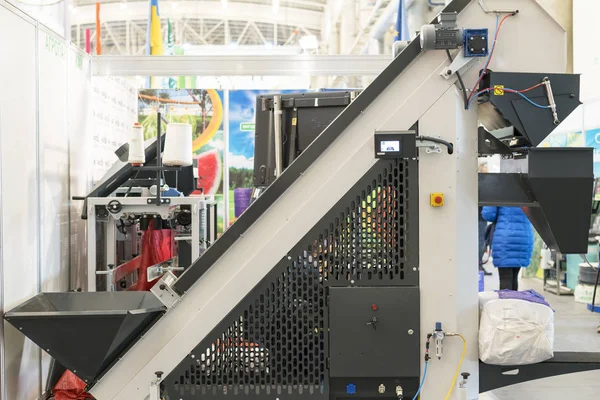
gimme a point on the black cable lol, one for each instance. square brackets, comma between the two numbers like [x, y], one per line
[460, 81]
[595, 288]
[449, 145]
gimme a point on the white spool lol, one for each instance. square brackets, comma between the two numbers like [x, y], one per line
[178, 145]
[137, 154]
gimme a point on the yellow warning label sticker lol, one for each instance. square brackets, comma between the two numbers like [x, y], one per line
[294, 121]
[498, 90]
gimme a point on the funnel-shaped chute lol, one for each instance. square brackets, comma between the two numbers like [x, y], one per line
[562, 180]
[556, 195]
[85, 332]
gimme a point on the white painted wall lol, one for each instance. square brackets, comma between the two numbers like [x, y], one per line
[53, 171]
[34, 155]
[19, 224]
[79, 128]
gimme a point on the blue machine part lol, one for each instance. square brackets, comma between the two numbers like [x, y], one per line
[475, 42]
[351, 388]
[594, 309]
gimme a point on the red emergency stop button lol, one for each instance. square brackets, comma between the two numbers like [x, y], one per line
[436, 199]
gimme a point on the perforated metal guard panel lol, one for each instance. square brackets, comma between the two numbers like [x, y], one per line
[275, 341]
[366, 241]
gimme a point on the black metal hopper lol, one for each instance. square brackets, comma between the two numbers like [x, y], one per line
[531, 123]
[85, 332]
[556, 195]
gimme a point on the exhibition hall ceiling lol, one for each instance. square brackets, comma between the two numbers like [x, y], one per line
[268, 23]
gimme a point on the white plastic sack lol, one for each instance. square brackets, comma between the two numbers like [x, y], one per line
[515, 332]
[485, 297]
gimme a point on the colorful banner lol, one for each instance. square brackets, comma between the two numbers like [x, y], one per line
[592, 139]
[173, 83]
[203, 109]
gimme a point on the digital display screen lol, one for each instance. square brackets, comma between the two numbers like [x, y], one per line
[389, 145]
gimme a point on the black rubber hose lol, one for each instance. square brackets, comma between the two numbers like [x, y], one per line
[595, 288]
[460, 81]
[449, 145]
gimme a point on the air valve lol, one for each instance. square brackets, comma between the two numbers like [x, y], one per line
[439, 335]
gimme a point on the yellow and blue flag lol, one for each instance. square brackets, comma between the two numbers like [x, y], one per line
[154, 40]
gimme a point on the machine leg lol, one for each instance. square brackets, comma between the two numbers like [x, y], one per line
[195, 232]
[155, 387]
[91, 244]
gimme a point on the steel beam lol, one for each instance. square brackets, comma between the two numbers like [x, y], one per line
[239, 65]
[241, 36]
[113, 38]
[259, 33]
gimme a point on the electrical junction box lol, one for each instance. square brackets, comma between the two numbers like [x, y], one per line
[475, 42]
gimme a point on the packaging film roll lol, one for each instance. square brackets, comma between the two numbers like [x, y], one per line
[178, 145]
[137, 154]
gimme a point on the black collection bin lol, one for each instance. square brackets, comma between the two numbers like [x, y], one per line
[86, 332]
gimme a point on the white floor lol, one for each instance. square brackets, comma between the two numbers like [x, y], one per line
[575, 330]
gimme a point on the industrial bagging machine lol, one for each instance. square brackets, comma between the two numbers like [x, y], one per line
[133, 199]
[354, 274]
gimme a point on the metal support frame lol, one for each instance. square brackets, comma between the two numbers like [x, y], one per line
[239, 65]
[458, 63]
[139, 205]
[557, 288]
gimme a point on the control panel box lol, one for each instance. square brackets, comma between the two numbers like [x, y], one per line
[395, 144]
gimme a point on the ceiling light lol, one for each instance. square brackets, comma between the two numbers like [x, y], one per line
[275, 6]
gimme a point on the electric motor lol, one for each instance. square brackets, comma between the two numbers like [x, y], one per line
[444, 35]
